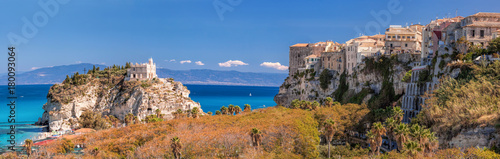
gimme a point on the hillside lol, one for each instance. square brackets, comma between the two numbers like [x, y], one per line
[107, 93]
[56, 74]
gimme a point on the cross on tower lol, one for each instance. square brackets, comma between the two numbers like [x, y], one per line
[84, 71]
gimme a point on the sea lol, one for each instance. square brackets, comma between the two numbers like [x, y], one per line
[32, 97]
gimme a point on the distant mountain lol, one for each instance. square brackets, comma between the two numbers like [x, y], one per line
[50, 75]
[56, 74]
[214, 77]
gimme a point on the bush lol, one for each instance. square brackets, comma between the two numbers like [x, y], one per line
[407, 77]
[91, 119]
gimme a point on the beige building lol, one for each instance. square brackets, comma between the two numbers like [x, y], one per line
[434, 35]
[144, 71]
[359, 48]
[479, 28]
[334, 60]
[300, 51]
[400, 39]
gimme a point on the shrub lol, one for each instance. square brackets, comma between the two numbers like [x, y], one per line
[407, 77]
[91, 119]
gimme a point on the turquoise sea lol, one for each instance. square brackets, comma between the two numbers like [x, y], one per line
[32, 97]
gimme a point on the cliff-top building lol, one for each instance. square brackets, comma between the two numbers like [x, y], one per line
[144, 71]
[299, 52]
[362, 47]
[403, 39]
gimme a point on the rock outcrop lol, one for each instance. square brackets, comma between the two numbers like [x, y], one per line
[139, 98]
[308, 88]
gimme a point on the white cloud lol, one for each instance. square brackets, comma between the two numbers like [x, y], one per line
[34, 68]
[231, 63]
[199, 63]
[173, 60]
[275, 65]
[185, 61]
[78, 61]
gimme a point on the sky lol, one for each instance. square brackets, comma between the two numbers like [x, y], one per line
[241, 35]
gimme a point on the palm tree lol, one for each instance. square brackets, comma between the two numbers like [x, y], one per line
[217, 112]
[390, 124]
[418, 133]
[379, 130]
[256, 136]
[432, 144]
[315, 105]
[370, 136]
[176, 146]
[329, 101]
[195, 111]
[412, 147]
[230, 109]
[237, 110]
[178, 113]
[247, 108]
[224, 110]
[158, 113]
[401, 133]
[329, 131]
[28, 143]
[398, 114]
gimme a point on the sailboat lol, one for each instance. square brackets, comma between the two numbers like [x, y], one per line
[250, 94]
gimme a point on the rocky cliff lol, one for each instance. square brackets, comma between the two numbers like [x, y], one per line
[306, 84]
[113, 96]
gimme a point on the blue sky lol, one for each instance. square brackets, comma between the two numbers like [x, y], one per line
[251, 31]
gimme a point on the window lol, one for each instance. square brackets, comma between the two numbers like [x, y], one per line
[393, 37]
[473, 33]
[406, 45]
[391, 45]
[481, 33]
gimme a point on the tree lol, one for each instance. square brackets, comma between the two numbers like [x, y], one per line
[195, 112]
[432, 144]
[295, 104]
[398, 114]
[494, 45]
[178, 113]
[247, 108]
[329, 131]
[315, 105]
[28, 143]
[401, 133]
[66, 146]
[325, 78]
[370, 136]
[390, 124]
[176, 146]
[237, 110]
[217, 112]
[412, 147]
[129, 118]
[230, 109]
[127, 65]
[224, 110]
[158, 113]
[329, 101]
[209, 113]
[256, 136]
[94, 120]
[379, 130]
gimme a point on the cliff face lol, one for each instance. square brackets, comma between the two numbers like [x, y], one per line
[65, 104]
[303, 86]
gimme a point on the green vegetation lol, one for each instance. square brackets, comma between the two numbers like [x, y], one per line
[325, 79]
[407, 77]
[343, 87]
[473, 97]
[94, 120]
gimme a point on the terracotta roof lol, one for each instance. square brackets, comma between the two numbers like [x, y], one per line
[484, 14]
[312, 56]
[484, 24]
[300, 45]
[367, 45]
